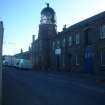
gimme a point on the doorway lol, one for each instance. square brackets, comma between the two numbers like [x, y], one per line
[89, 60]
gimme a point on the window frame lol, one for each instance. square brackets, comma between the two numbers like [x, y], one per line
[53, 45]
[76, 60]
[77, 38]
[58, 43]
[64, 42]
[102, 31]
[101, 57]
[70, 40]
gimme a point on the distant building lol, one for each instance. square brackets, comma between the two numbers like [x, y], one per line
[1, 43]
[78, 48]
[9, 60]
[23, 55]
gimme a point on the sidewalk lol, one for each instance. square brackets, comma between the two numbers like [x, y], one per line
[98, 79]
[87, 77]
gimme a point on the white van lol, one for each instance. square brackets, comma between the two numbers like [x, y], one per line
[24, 64]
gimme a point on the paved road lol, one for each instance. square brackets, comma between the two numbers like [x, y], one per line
[41, 88]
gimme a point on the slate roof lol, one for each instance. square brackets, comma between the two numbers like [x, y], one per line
[87, 21]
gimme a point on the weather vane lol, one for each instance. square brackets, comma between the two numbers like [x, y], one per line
[47, 4]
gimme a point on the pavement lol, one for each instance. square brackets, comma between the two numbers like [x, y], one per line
[21, 87]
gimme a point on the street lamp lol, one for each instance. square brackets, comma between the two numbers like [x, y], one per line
[1, 43]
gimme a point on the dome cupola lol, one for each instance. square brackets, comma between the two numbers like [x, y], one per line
[48, 15]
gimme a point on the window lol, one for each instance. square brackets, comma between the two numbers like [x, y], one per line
[102, 56]
[102, 32]
[70, 40]
[53, 45]
[63, 61]
[40, 45]
[58, 44]
[77, 38]
[76, 60]
[63, 42]
[90, 36]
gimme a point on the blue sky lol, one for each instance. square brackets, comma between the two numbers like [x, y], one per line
[22, 18]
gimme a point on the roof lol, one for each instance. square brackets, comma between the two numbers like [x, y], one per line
[47, 10]
[24, 55]
[87, 21]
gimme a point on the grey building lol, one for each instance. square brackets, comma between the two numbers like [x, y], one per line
[78, 48]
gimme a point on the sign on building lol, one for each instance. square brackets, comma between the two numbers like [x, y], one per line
[58, 51]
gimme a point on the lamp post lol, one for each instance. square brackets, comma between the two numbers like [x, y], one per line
[33, 50]
[1, 43]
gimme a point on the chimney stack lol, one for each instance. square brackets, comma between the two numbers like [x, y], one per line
[33, 38]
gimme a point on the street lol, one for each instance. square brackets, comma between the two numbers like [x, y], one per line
[24, 87]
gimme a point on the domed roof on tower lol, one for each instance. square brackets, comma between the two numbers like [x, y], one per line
[48, 15]
[47, 10]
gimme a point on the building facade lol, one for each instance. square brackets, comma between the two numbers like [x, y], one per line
[41, 48]
[78, 48]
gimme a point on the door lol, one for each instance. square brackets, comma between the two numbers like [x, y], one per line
[88, 60]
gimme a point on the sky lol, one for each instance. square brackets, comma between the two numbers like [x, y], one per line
[21, 18]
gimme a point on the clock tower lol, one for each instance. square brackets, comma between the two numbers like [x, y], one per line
[47, 31]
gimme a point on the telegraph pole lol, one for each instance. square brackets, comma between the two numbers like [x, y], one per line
[1, 43]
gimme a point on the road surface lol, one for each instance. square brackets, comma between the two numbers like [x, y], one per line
[22, 87]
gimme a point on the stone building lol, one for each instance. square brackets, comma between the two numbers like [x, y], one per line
[41, 48]
[78, 48]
